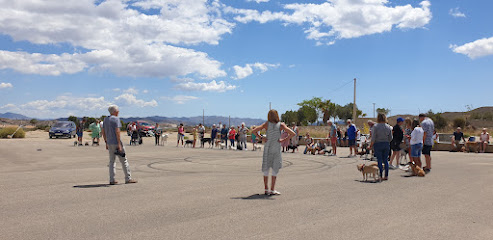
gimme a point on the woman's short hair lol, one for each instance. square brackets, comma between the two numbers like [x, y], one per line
[273, 116]
[381, 118]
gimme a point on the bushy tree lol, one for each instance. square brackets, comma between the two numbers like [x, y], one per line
[33, 121]
[73, 119]
[438, 119]
[307, 115]
[346, 112]
[290, 116]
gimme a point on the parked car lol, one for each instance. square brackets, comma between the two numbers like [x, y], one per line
[143, 127]
[63, 129]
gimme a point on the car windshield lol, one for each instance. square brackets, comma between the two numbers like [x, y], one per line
[145, 124]
[61, 125]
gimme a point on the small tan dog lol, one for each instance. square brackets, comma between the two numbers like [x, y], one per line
[416, 170]
[368, 169]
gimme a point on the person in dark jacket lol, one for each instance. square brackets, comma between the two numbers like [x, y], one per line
[395, 145]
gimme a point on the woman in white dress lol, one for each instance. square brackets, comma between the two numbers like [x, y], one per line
[272, 158]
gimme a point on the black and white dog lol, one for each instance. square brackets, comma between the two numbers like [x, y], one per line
[189, 142]
[205, 140]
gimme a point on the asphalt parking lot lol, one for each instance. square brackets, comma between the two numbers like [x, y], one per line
[53, 190]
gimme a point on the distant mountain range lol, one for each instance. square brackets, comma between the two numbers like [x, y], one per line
[15, 116]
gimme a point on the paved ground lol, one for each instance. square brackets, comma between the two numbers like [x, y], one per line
[53, 190]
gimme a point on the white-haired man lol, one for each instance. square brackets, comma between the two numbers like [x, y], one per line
[111, 135]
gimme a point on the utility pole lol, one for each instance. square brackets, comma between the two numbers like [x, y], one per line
[203, 117]
[229, 121]
[373, 110]
[354, 102]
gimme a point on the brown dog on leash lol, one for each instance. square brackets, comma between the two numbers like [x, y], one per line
[367, 170]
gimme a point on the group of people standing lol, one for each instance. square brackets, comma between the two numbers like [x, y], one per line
[417, 137]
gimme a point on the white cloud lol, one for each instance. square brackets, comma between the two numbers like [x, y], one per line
[456, 13]
[60, 106]
[116, 89]
[342, 19]
[128, 99]
[6, 85]
[116, 36]
[247, 70]
[131, 90]
[479, 48]
[180, 99]
[42, 64]
[212, 86]
[258, 1]
[145, 91]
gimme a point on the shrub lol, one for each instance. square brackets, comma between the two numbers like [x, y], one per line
[439, 120]
[459, 122]
[5, 132]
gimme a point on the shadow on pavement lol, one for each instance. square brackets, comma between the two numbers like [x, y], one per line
[361, 181]
[256, 197]
[92, 186]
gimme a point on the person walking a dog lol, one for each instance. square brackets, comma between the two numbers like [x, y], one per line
[380, 142]
[272, 159]
[428, 127]
[201, 130]
[417, 139]
[181, 135]
[395, 145]
[111, 136]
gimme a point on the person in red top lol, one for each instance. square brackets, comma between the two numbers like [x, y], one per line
[231, 136]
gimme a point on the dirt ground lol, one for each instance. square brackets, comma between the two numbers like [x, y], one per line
[53, 190]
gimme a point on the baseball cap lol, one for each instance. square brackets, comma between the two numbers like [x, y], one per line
[400, 119]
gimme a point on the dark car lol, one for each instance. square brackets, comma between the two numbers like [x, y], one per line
[143, 127]
[63, 129]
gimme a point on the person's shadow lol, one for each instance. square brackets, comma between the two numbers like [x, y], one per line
[255, 197]
[92, 186]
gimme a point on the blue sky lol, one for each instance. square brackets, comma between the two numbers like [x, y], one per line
[175, 58]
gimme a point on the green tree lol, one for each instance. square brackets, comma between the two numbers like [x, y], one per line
[438, 119]
[33, 121]
[329, 110]
[290, 116]
[73, 119]
[346, 112]
[307, 115]
[315, 103]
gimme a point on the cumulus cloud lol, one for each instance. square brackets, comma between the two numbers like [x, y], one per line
[479, 48]
[342, 19]
[180, 99]
[4, 85]
[456, 13]
[212, 86]
[115, 35]
[247, 70]
[128, 99]
[69, 105]
[131, 90]
[60, 106]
